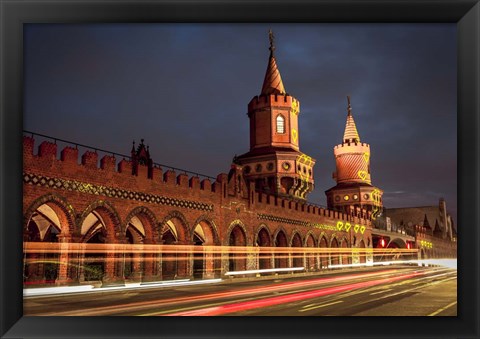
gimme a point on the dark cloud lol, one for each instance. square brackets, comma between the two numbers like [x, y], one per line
[184, 88]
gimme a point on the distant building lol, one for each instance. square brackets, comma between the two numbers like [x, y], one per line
[430, 223]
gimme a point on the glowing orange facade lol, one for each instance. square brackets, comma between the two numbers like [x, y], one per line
[354, 190]
[274, 162]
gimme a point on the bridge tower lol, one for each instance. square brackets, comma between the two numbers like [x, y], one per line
[274, 162]
[354, 190]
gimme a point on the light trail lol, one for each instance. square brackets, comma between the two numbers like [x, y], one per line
[66, 290]
[272, 301]
[275, 287]
[450, 263]
[270, 270]
[86, 248]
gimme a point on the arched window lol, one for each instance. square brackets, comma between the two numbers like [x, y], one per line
[280, 124]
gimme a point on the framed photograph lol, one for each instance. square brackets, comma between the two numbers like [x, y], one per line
[225, 203]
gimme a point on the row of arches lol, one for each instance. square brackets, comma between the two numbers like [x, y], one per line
[285, 259]
[50, 219]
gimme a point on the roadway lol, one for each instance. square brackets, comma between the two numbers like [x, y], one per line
[375, 291]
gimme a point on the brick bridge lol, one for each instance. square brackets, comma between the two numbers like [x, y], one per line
[124, 202]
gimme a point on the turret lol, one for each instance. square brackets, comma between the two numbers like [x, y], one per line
[274, 162]
[352, 174]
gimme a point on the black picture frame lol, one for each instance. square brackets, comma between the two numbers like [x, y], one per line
[466, 13]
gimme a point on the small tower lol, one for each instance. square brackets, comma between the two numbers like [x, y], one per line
[141, 157]
[274, 161]
[354, 183]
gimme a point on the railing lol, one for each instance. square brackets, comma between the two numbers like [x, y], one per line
[96, 149]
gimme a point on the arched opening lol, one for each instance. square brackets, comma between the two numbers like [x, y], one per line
[206, 263]
[345, 256]
[100, 226]
[265, 258]
[44, 226]
[134, 261]
[94, 263]
[237, 260]
[362, 254]
[297, 258]
[324, 253]
[198, 259]
[169, 236]
[334, 256]
[310, 256]
[281, 255]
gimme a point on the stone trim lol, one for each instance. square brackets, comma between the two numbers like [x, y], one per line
[282, 220]
[73, 185]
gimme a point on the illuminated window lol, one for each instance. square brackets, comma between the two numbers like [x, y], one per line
[280, 124]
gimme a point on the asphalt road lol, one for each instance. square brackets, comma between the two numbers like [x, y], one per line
[379, 291]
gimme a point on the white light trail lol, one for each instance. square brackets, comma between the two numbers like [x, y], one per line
[450, 263]
[269, 270]
[34, 292]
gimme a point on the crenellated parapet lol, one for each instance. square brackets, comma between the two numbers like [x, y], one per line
[282, 101]
[88, 168]
[98, 177]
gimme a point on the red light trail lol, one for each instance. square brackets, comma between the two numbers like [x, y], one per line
[272, 301]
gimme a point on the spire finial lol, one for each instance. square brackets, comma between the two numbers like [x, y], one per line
[351, 134]
[271, 37]
[349, 106]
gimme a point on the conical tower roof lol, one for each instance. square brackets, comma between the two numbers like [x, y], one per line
[351, 134]
[272, 84]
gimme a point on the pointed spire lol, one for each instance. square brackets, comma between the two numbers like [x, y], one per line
[351, 134]
[425, 222]
[272, 84]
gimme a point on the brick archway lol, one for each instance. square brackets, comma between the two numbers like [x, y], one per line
[205, 262]
[183, 230]
[148, 220]
[237, 237]
[139, 266]
[233, 224]
[362, 255]
[263, 239]
[210, 229]
[345, 257]
[296, 241]
[334, 255]
[310, 258]
[50, 218]
[324, 255]
[64, 211]
[281, 255]
[109, 215]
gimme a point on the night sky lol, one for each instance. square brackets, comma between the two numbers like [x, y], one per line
[184, 88]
